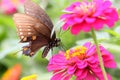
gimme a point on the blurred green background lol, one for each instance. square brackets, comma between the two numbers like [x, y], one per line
[10, 47]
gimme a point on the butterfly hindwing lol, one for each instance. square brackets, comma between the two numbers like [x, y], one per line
[35, 45]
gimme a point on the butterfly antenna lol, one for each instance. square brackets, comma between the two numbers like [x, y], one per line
[61, 33]
[57, 26]
[63, 46]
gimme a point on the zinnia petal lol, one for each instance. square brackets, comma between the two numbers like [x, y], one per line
[90, 20]
[76, 28]
[81, 74]
[72, 69]
[90, 77]
[82, 64]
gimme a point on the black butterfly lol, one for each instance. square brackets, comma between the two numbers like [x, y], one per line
[34, 26]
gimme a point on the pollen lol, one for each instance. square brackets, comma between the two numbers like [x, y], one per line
[76, 52]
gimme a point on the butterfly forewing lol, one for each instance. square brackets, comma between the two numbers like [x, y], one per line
[28, 26]
[36, 11]
[25, 25]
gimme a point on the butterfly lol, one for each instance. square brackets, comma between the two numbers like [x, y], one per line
[35, 27]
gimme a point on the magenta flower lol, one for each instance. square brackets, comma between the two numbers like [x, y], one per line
[10, 6]
[82, 16]
[81, 62]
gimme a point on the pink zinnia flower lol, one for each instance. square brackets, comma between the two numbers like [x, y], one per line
[10, 6]
[82, 62]
[82, 16]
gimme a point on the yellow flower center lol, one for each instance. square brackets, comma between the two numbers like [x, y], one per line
[76, 52]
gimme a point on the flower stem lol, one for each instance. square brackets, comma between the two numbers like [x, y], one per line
[99, 54]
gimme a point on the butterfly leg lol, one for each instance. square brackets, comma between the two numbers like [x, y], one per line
[45, 51]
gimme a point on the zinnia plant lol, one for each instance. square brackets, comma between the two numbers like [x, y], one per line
[82, 62]
[83, 16]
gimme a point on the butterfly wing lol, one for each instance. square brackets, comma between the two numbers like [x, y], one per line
[28, 26]
[36, 11]
[24, 25]
[35, 45]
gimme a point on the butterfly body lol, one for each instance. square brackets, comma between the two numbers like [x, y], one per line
[35, 27]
